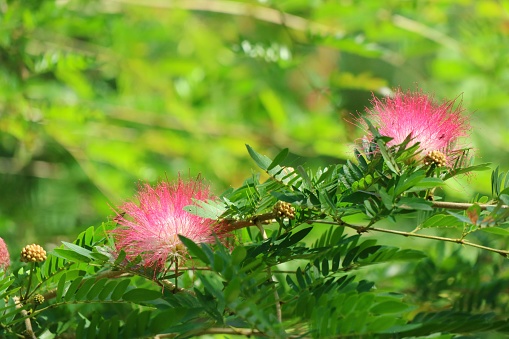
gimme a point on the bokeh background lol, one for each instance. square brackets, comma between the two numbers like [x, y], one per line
[96, 96]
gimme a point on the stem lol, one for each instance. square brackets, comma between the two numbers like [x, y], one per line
[32, 271]
[364, 229]
[176, 274]
[269, 273]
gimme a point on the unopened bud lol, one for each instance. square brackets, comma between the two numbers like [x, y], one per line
[436, 158]
[38, 299]
[33, 253]
[284, 210]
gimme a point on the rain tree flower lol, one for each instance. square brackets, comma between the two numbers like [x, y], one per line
[435, 126]
[5, 260]
[151, 227]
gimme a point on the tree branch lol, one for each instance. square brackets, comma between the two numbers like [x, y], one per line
[28, 324]
[364, 229]
[461, 205]
[239, 9]
[228, 331]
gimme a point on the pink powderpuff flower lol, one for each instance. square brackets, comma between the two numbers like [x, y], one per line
[5, 260]
[436, 126]
[151, 228]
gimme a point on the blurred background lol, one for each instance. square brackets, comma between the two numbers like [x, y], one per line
[96, 96]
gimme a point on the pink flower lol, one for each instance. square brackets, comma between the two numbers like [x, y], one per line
[436, 126]
[150, 229]
[5, 260]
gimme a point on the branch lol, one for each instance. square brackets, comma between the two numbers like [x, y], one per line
[29, 333]
[262, 218]
[210, 269]
[426, 31]
[267, 217]
[364, 229]
[228, 331]
[461, 205]
[174, 288]
[239, 9]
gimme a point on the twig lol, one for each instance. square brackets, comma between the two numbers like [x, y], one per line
[461, 205]
[228, 331]
[426, 31]
[256, 11]
[173, 288]
[364, 229]
[210, 269]
[236, 225]
[28, 325]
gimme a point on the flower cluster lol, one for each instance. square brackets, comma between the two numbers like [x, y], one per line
[150, 229]
[33, 253]
[5, 260]
[284, 210]
[435, 126]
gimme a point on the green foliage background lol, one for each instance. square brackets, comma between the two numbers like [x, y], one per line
[97, 95]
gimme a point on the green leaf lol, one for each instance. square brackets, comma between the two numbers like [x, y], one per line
[387, 199]
[194, 249]
[78, 249]
[120, 258]
[141, 294]
[441, 220]
[455, 172]
[389, 306]
[61, 286]
[99, 257]
[238, 255]
[96, 289]
[107, 289]
[166, 319]
[496, 230]
[232, 291]
[325, 267]
[381, 323]
[495, 182]
[69, 294]
[262, 161]
[405, 183]
[120, 289]
[460, 217]
[426, 183]
[389, 159]
[296, 237]
[142, 321]
[278, 159]
[103, 332]
[71, 255]
[84, 288]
